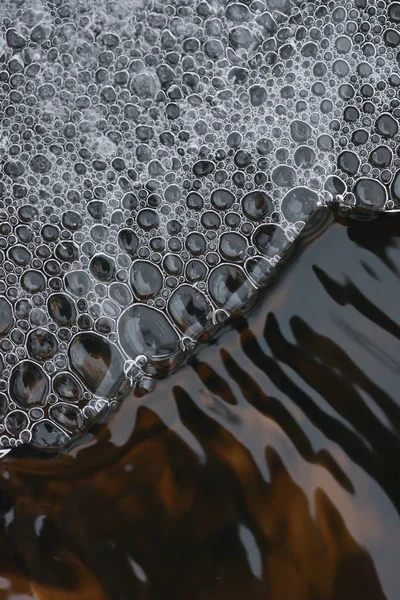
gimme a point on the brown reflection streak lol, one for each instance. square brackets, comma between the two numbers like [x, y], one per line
[216, 384]
[275, 410]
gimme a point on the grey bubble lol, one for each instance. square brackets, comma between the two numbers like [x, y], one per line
[340, 68]
[98, 363]
[196, 270]
[38, 317]
[370, 194]
[348, 162]
[40, 164]
[6, 317]
[213, 49]
[144, 85]
[46, 435]
[300, 131]
[258, 95]
[304, 157]
[145, 331]
[381, 157]
[14, 169]
[41, 344]
[102, 267]
[67, 416]
[97, 209]
[222, 199]
[67, 251]
[233, 246]
[299, 203]
[120, 293]
[67, 387]
[172, 194]
[202, 168]
[77, 283]
[146, 279]
[335, 186]
[284, 176]
[237, 12]
[270, 240]
[173, 264]
[195, 244]
[229, 287]
[29, 385]
[16, 421]
[386, 125]
[62, 309]
[33, 282]
[325, 143]
[191, 310]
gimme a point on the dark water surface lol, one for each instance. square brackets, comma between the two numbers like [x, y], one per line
[266, 469]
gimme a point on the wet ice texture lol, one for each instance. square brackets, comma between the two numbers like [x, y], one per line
[158, 158]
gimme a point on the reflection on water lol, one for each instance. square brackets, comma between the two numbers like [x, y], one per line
[266, 469]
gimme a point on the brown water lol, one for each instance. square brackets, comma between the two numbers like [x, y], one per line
[266, 469]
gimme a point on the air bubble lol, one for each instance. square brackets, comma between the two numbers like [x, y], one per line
[270, 240]
[146, 331]
[62, 309]
[46, 435]
[146, 279]
[78, 283]
[386, 125]
[6, 317]
[191, 310]
[98, 363]
[299, 203]
[28, 385]
[370, 194]
[229, 287]
[67, 387]
[41, 345]
[233, 246]
[102, 267]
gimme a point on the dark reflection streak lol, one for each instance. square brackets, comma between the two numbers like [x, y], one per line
[374, 314]
[234, 459]
[272, 408]
[331, 427]
[271, 368]
[333, 375]
[217, 385]
[368, 269]
[348, 293]
[267, 405]
[363, 584]
[378, 236]
[367, 344]
[335, 358]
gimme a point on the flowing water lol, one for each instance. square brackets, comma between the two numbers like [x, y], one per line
[199, 324]
[264, 469]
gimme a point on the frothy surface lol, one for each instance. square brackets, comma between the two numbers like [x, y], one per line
[157, 161]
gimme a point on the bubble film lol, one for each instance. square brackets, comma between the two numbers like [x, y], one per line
[158, 157]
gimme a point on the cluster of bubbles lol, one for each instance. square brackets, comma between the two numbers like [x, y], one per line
[158, 157]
